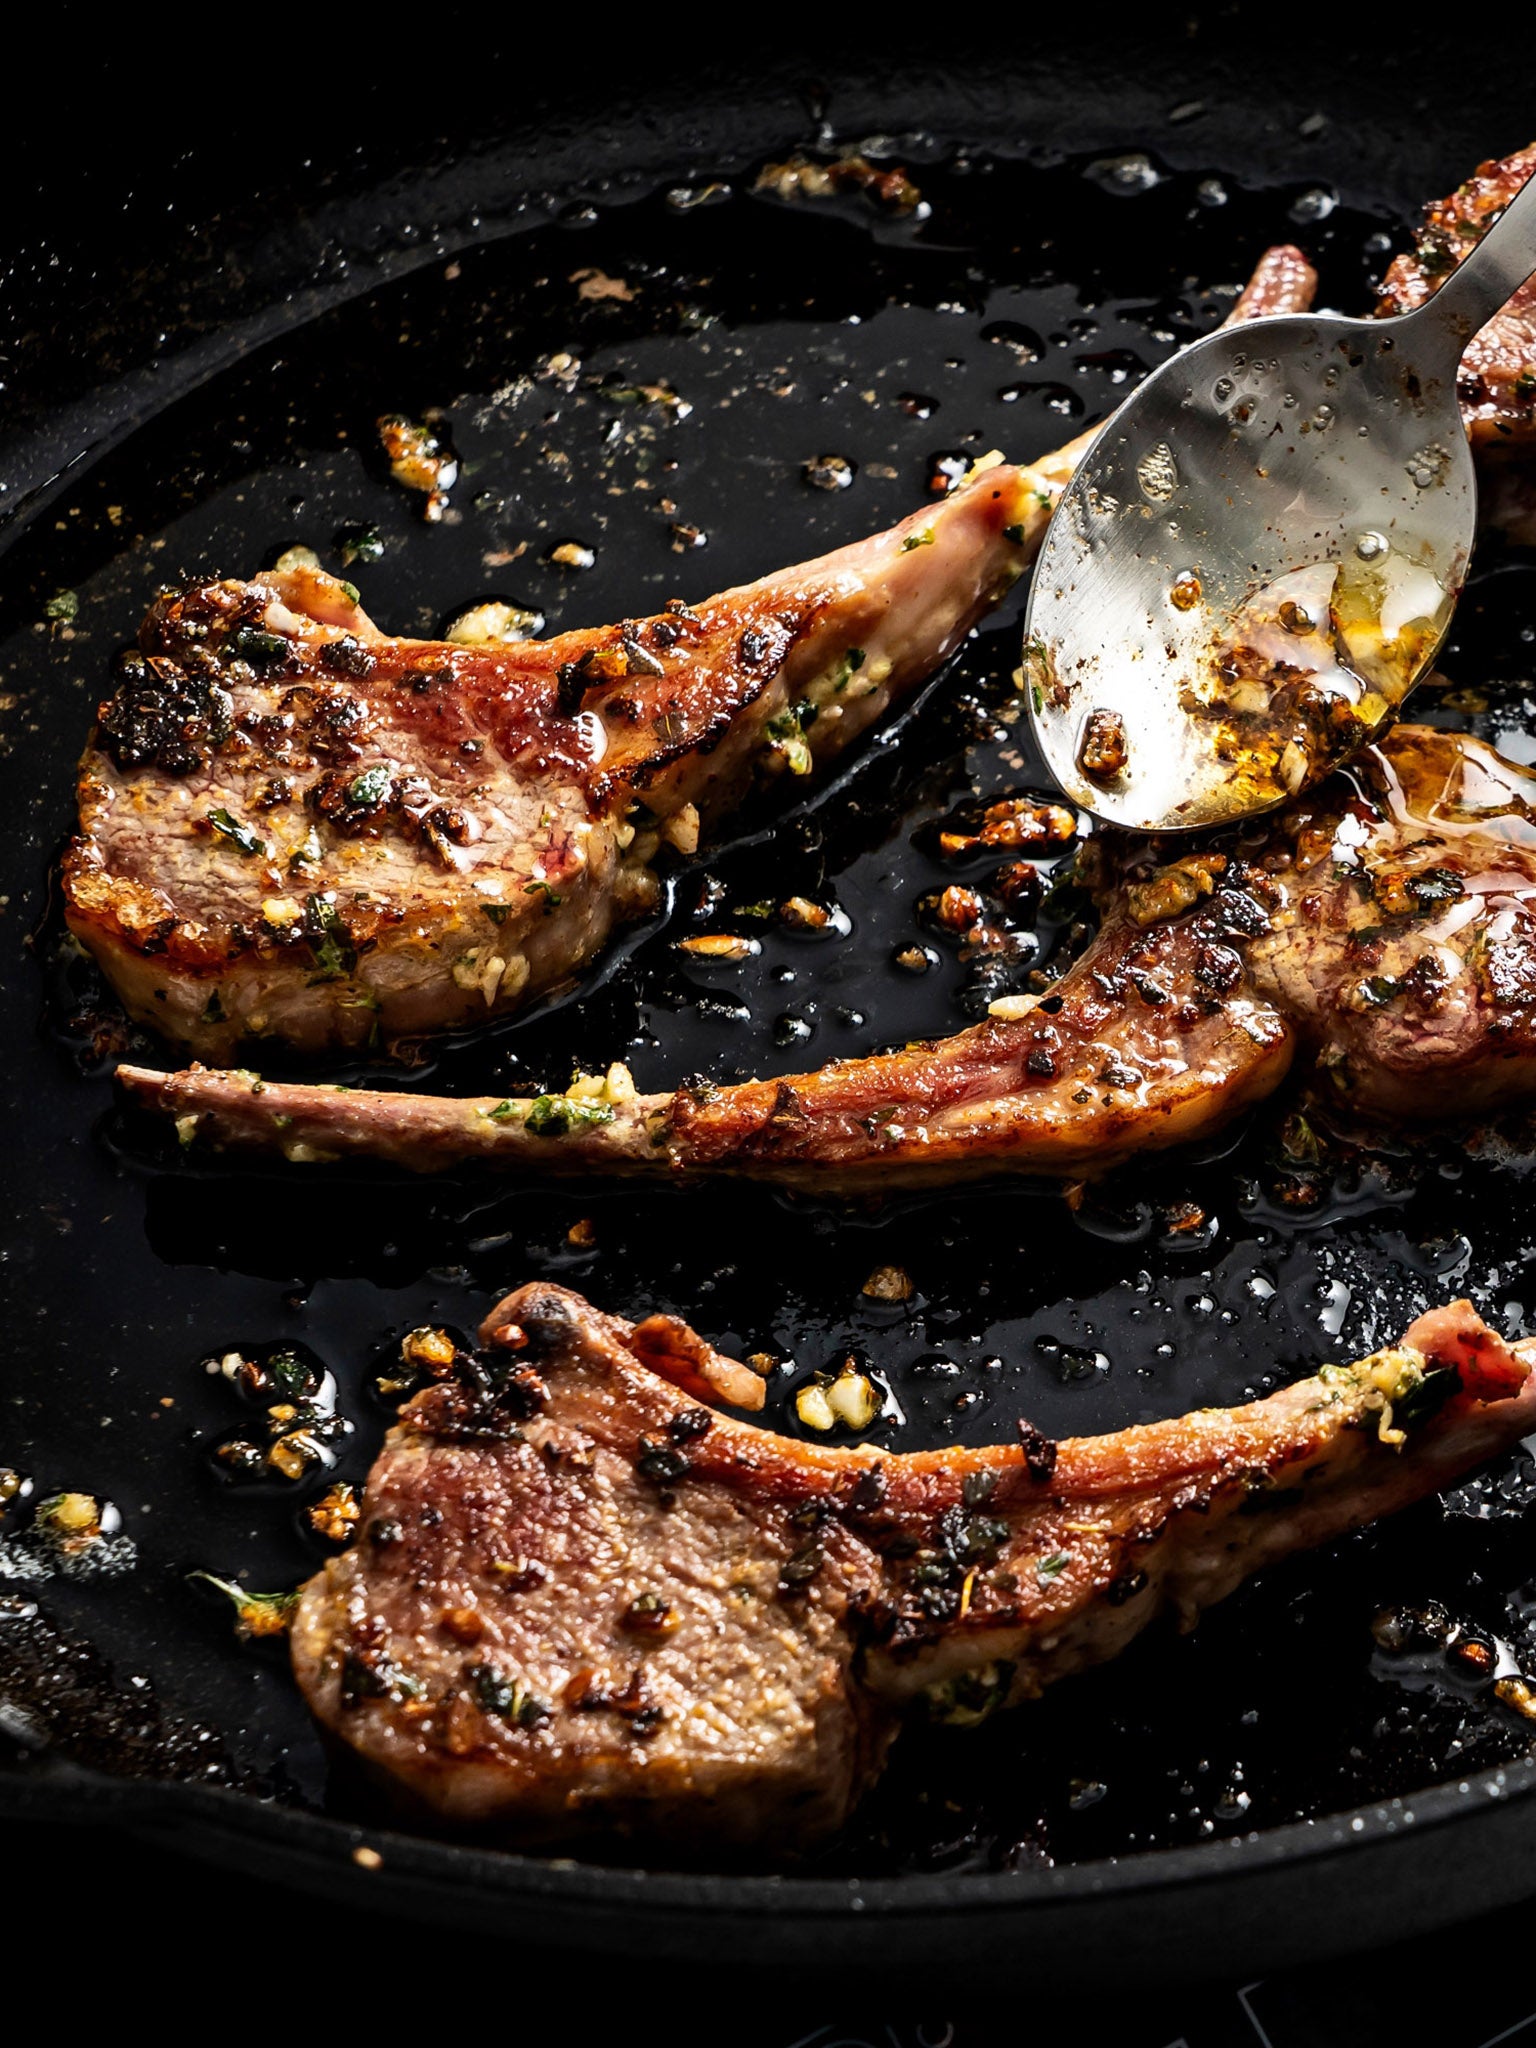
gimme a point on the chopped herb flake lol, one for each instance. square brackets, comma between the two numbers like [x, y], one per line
[555, 1116]
[232, 829]
[370, 788]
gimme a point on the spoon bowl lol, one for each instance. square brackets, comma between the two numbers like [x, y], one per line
[1260, 554]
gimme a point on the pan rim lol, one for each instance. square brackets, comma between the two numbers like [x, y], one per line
[73, 1792]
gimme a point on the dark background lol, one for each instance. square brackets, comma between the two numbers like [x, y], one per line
[163, 185]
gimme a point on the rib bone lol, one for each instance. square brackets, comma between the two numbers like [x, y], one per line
[580, 1603]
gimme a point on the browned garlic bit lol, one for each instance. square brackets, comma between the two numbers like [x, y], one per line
[804, 915]
[1021, 823]
[334, 1514]
[1104, 751]
[889, 1283]
[801, 177]
[256, 1614]
[1174, 889]
[419, 459]
[720, 946]
[496, 623]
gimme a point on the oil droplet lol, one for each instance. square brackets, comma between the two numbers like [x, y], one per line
[1158, 474]
[1124, 175]
[1222, 390]
[1185, 594]
[1335, 1298]
[1370, 547]
[1313, 205]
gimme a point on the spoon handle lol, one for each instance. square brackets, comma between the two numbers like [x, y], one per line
[1487, 277]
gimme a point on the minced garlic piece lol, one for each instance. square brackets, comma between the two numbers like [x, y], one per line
[854, 1399]
[495, 624]
[813, 1407]
[617, 1085]
[682, 829]
[428, 1347]
[720, 946]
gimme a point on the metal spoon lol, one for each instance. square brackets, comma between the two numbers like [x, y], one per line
[1260, 553]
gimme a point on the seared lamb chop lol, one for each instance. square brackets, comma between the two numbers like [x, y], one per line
[294, 827]
[1385, 923]
[582, 1604]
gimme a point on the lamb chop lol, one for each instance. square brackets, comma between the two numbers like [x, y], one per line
[1383, 924]
[581, 1604]
[296, 828]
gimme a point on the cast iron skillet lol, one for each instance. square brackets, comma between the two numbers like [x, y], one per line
[201, 333]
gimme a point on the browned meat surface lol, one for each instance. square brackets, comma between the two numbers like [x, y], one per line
[1402, 939]
[1386, 923]
[581, 1604]
[294, 827]
[1145, 1043]
[1498, 372]
[1283, 282]
[1498, 390]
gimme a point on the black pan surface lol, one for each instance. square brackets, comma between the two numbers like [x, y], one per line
[1053, 263]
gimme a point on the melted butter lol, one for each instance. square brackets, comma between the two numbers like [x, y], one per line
[1453, 783]
[1311, 666]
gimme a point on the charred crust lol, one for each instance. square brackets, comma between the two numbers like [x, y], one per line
[1125, 1586]
[573, 679]
[800, 1568]
[484, 1400]
[868, 1490]
[347, 657]
[661, 1463]
[162, 716]
[1039, 1453]
[691, 1424]
[547, 1325]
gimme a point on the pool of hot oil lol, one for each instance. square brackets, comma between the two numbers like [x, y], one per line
[1011, 316]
